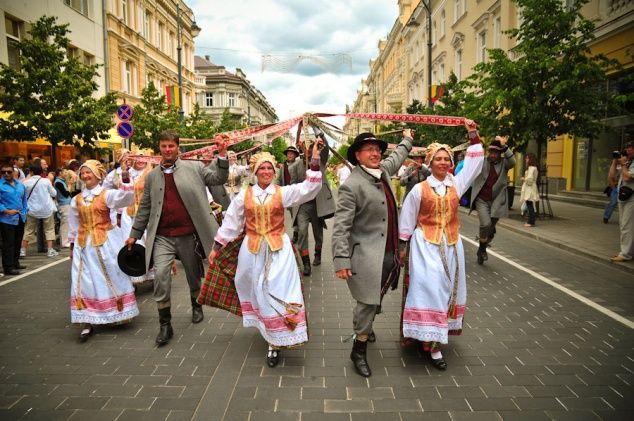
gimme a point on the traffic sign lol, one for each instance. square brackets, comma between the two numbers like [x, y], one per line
[125, 129]
[124, 112]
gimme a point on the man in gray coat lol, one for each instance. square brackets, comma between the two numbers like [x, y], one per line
[365, 234]
[489, 193]
[292, 171]
[179, 222]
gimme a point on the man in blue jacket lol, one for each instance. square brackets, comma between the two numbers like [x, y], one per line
[13, 208]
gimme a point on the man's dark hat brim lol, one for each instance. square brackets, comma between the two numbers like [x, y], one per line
[496, 146]
[132, 262]
[291, 149]
[359, 141]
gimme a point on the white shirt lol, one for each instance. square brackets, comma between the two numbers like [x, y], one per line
[41, 204]
[343, 174]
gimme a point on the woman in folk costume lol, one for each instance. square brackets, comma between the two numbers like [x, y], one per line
[437, 294]
[100, 293]
[236, 172]
[267, 276]
[138, 170]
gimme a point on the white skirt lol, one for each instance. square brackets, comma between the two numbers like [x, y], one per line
[258, 302]
[427, 303]
[92, 299]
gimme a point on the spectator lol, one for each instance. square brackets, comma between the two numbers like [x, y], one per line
[529, 194]
[626, 203]
[63, 205]
[13, 208]
[40, 194]
[611, 190]
[343, 173]
[18, 164]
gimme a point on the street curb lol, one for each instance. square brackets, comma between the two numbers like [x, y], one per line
[624, 267]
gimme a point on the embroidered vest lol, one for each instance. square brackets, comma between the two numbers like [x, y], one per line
[438, 215]
[94, 220]
[139, 183]
[264, 221]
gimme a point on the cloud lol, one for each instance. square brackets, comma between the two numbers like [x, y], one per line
[319, 50]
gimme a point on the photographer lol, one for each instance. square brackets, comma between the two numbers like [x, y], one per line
[625, 188]
[611, 190]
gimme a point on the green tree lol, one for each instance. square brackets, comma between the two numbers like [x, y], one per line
[550, 83]
[51, 96]
[277, 149]
[153, 116]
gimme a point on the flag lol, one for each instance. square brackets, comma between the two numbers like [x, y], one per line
[172, 96]
[437, 91]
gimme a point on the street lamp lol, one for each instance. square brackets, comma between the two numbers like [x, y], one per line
[412, 22]
[195, 30]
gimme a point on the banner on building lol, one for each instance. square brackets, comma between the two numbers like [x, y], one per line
[172, 96]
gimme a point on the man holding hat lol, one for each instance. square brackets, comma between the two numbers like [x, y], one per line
[489, 194]
[176, 213]
[365, 235]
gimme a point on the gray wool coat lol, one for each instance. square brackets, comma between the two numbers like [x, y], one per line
[499, 207]
[360, 226]
[191, 178]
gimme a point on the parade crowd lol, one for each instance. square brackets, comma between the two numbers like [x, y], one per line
[225, 223]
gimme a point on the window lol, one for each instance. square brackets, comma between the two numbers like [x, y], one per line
[442, 23]
[159, 35]
[147, 19]
[88, 58]
[232, 99]
[128, 82]
[459, 8]
[72, 52]
[497, 32]
[433, 34]
[170, 48]
[14, 30]
[124, 11]
[139, 18]
[458, 64]
[482, 46]
[209, 99]
[441, 72]
[79, 5]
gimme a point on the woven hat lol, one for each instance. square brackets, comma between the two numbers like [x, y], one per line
[132, 262]
[96, 167]
[359, 141]
[260, 158]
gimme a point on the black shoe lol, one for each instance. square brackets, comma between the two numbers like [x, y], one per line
[372, 337]
[272, 357]
[11, 272]
[439, 363]
[197, 311]
[605, 220]
[358, 357]
[482, 256]
[85, 333]
[317, 259]
[306, 262]
[165, 334]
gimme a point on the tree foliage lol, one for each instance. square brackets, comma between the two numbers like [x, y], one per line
[51, 96]
[277, 149]
[550, 83]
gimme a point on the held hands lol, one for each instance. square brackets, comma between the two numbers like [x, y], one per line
[130, 242]
[212, 256]
[470, 125]
[408, 133]
[344, 274]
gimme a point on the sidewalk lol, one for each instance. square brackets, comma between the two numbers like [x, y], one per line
[576, 228]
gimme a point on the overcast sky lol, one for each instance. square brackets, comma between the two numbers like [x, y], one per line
[336, 38]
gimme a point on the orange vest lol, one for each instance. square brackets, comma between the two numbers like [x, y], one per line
[94, 220]
[138, 193]
[264, 221]
[438, 215]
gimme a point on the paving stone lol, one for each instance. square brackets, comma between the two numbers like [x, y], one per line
[529, 415]
[475, 416]
[492, 404]
[277, 416]
[300, 405]
[140, 403]
[373, 393]
[47, 415]
[353, 405]
[137, 415]
[95, 415]
[449, 404]
[397, 405]
[538, 403]
[493, 391]
[160, 391]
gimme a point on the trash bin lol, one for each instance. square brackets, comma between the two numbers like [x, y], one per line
[511, 192]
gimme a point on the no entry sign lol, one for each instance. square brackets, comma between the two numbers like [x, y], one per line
[125, 129]
[124, 112]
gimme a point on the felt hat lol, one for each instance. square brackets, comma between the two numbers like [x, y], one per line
[291, 149]
[359, 141]
[496, 145]
[132, 262]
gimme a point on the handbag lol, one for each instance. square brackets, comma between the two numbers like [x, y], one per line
[608, 191]
[625, 193]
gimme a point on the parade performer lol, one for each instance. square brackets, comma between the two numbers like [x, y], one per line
[365, 234]
[236, 172]
[138, 172]
[175, 210]
[292, 171]
[267, 277]
[100, 292]
[416, 172]
[489, 192]
[436, 293]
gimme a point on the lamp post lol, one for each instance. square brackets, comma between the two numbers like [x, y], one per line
[412, 22]
[195, 30]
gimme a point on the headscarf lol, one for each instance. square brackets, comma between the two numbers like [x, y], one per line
[434, 148]
[120, 153]
[260, 158]
[96, 167]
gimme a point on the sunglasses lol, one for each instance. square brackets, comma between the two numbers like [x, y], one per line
[7, 172]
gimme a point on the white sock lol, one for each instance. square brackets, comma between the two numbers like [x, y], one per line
[436, 355]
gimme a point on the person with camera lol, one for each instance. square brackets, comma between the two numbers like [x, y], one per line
[625, 187]
[611, 190]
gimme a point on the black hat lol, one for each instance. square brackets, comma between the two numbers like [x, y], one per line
[496, 145]
[291, 149]
[361, 140]
[132, 262]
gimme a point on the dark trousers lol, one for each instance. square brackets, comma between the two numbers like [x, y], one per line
[530, 207]
[11, 243]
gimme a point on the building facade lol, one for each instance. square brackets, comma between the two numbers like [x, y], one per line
[219, 90]
[461, 33]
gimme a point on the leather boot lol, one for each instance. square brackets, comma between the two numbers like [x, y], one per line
[358, 357]
[306, 262]
[197, 312]
[165, 332]
[317, 259]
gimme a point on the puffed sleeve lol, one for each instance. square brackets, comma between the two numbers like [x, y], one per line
[120, 198]
[73, 220]
[473, 161]
[409, 214]
[233, 221]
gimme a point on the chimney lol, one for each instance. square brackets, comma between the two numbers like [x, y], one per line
[207, 57]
